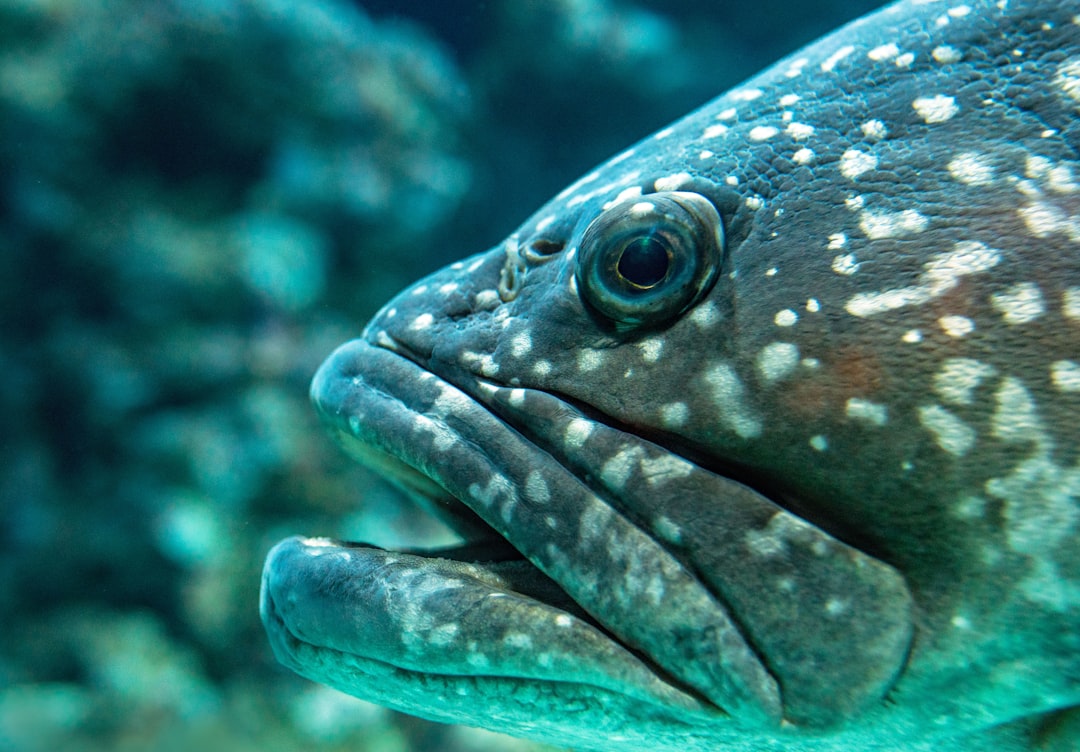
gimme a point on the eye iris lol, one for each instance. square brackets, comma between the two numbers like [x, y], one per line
[644, 262]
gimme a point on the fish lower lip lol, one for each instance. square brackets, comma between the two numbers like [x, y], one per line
[401, 629]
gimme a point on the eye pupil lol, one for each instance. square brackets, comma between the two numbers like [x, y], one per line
[644, 262]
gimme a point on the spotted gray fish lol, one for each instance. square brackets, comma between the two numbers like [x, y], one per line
[778, 412]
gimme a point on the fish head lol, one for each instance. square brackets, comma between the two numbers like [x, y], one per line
[776, 411]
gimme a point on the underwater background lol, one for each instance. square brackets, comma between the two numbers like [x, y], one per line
[199, 200]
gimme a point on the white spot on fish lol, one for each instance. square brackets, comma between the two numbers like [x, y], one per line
[1015, 418]
[952, 434]
[970, 168]
[577, 432]
[518, 640]
[912, 336]
[819, 443]
[958, 379]
[786, 317]
[729, 395]
[777, 360]
[956, 326]
[536, 488]
[498, 487]
[521, 344]
[651, 349]
[762, 132]
[546, 222]
[836, 241]
[624, 195]
[1043, 219]
[874, 130]
[830, 63]
[945, 54]
[883, 52]
[812, 305]
[667, 530]
[714, 131]
[486, 300]
[589, 360]
[746, 95]
[789, 99]
[542, 368]
[799, 131]
[706, 315]
[854, 163]
[448, 288]
[836, 606]
[803, 156]
[1066, 376]
[1019, 304]
[1070, 303]
[1068, 79]
[664, 467]
[845, 265]
[423, 321]
[672, 182]
[936, 109]
[866, 411]
[887, 224]
[795, 69]
[941, 273]
[674, 414]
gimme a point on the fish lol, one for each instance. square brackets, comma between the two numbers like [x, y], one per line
[764, 434]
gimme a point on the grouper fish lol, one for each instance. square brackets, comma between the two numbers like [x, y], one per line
[764, 435]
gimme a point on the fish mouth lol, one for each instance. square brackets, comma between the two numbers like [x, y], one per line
[583, 576]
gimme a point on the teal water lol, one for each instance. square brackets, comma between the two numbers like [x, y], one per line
[198, 201]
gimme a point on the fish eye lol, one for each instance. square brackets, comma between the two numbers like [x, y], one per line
[650, 258]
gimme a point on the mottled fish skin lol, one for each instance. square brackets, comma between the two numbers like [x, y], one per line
[821, 494]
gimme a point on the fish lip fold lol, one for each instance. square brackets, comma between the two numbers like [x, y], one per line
[356, 604]
[372, 394]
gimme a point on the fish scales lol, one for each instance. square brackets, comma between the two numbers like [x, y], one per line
[778, 411]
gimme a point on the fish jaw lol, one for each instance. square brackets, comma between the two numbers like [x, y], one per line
[715, 648]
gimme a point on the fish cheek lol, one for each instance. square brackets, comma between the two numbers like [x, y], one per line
[831, 623]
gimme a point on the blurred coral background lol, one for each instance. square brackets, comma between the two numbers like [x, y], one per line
[198, 201]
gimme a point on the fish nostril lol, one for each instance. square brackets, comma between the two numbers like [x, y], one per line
[544, 247]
